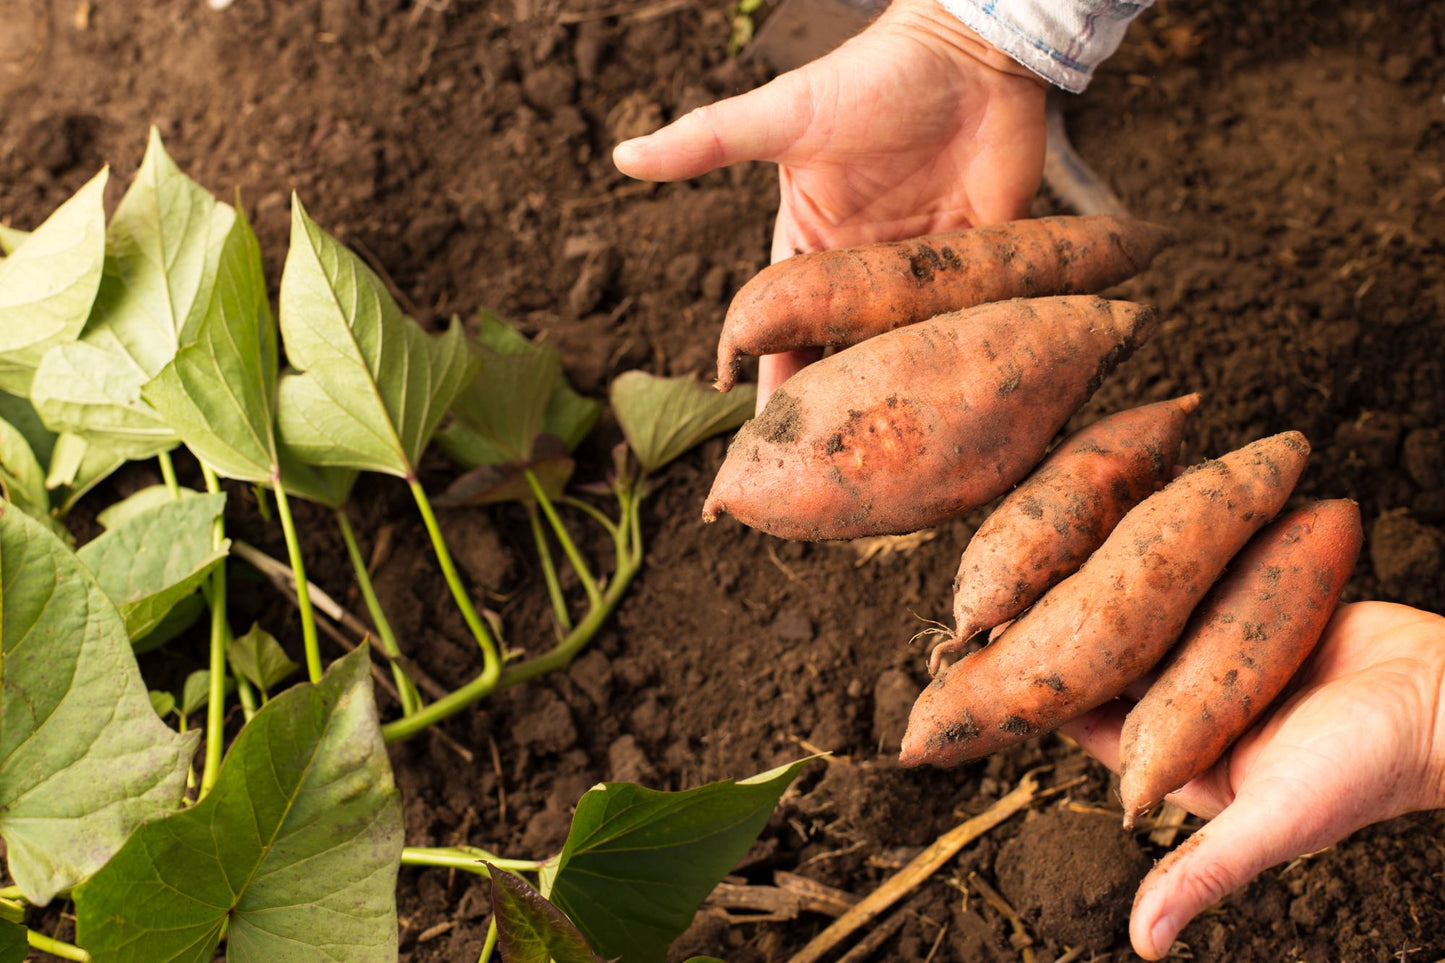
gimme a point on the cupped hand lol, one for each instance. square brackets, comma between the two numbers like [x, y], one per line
[1359, 738]
[912, 127]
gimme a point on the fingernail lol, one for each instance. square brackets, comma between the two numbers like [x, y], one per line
[1163, 933]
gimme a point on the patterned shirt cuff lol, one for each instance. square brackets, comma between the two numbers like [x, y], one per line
[1062, 41]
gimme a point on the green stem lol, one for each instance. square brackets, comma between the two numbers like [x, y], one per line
[630, 556]
[13, 909]
[549, 575]
[303, 590]
[247, 695]
[491, 943]
[405, 688]
[590, 510]
[594, 594]
[168, 474]
[491, 662]
[220, 637]
[468, 858]
[46, 944]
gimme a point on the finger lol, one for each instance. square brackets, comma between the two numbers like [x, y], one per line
[1097, 732]
[774, 369]
[1253, 833]
[758, 125]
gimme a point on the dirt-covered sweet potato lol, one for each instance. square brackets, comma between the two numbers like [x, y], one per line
[910, 428]
[1047, 526]
[1111, 621]
[1241, 647]
[843, 296]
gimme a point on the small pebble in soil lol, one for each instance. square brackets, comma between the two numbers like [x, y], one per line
[793, 625]
[1071, 876]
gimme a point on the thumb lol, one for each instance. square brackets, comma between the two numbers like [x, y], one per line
[758, 125]
[1246, 838]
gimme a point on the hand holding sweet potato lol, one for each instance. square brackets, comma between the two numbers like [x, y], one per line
[1359, 740]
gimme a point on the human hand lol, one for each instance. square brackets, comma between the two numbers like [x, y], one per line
[914, 126]
[1359, 738]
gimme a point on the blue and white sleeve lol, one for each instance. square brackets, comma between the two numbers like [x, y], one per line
[1063, 41]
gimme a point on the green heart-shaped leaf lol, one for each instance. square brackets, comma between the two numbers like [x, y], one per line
[118, 513]
[153, 560]
[293, 854]
[83, 757]
[219, 392]
[259, 659]
[370, 385]
[163, 250]
[664, 417]
[48, 285]
[637, 862]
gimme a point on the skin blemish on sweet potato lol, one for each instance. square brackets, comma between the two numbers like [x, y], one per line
[1016, 726]
[781, 420]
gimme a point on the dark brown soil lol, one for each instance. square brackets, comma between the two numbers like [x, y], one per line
[462, 147]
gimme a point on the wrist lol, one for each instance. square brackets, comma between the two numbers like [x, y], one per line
[928, 17]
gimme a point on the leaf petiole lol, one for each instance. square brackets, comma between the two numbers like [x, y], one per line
[220, 636]
[470, 859]
[549, 575]
[594, 594]
[405, 688]
[491, 662]
[491, 942]
[168, 474]
[303, 591]
[47, 944]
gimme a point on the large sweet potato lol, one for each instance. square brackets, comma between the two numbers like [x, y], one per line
[1242, 645]
[1047, 526]
[844, 296]
[1109, 623]
[910, 428]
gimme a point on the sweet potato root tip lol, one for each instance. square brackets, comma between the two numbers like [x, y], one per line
[1106, 625]
[1055, 519]
[1240, 648]
[885, 437]
[844, 296]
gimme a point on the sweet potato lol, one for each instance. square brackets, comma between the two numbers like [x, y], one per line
[910, 428]
[841, 297]
[1109, 623]
[1240, 648]
[1046, 527]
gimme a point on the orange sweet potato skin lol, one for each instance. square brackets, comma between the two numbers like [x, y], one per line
[1111, 621]
[844, 296]
[1239, 650]
[914, 426]
[1055, 519]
